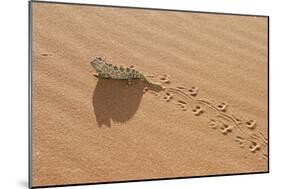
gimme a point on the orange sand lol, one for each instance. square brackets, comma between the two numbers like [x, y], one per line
[87, 130]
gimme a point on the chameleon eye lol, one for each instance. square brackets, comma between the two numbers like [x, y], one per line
[99, 58]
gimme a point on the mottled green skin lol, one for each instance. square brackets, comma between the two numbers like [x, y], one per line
[105, 70]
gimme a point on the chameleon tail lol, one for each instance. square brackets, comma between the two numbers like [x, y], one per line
[143, 78]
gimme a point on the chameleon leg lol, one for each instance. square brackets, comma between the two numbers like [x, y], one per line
[96, 75]
[129, 82]
[104, 75]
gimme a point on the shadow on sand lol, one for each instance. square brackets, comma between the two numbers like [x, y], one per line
[113, 101]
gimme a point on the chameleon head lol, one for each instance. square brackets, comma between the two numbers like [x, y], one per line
[98, 63]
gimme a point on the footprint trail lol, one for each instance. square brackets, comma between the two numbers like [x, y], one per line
[244, 132]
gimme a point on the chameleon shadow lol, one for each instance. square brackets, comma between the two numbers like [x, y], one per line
[113, 101]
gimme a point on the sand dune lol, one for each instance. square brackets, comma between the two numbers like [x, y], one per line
[211, 118]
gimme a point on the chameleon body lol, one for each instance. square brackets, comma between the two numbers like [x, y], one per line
[105, 70]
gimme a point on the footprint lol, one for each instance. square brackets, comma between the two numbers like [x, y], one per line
[193, 91]
[168, 96]
[225, 128]
[254, 146]
[145, 89]
[45, 54]
[213, 124]
[251, 124]
[237, 120]
[197, 110]
[221, 106]
[154, 93]
[181, 87]
[179, 92]
[165, 79]
[240, 140]
[182, 104]
[264, 156]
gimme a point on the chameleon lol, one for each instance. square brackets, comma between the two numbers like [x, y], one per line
[106, 70]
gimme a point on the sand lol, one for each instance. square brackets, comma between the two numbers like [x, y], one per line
[211, 119]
